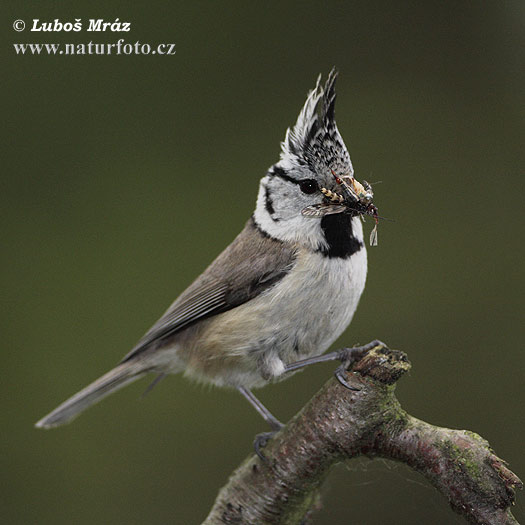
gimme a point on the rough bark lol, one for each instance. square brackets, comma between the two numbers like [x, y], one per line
[338, 424]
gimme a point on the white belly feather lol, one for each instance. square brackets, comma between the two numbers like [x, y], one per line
[301, 316]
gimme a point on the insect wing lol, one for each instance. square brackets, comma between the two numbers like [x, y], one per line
[320, 210]
[373, 236]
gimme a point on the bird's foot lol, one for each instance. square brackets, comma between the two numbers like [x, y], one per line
[349, 356]
[261, 440]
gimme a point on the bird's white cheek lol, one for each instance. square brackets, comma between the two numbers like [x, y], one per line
[291, 226]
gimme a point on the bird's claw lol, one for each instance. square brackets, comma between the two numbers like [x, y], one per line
[355, 353]
[349, 356]
[340, 375]
[260, 441]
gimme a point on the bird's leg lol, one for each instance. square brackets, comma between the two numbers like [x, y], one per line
[347, 356]
[261, 440]
[263, 411]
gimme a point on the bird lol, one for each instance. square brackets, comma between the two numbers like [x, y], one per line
[280, 294]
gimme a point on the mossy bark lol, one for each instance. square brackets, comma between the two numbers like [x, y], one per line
[338, 424]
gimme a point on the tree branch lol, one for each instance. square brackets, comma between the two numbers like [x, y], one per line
[338, 424]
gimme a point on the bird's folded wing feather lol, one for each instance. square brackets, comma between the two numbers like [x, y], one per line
[252, 263]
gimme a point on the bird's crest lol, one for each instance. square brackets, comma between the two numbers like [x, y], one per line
[314, 141]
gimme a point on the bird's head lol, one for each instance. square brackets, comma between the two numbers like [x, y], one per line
[313, 182]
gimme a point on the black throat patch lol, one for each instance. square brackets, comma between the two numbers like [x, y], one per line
[339, 235]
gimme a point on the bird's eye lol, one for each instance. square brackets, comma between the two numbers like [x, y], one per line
[308, 186]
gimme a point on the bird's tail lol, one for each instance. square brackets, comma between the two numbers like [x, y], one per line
[120, 376]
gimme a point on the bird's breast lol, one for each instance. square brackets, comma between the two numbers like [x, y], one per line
[318, 300]
[300, 316]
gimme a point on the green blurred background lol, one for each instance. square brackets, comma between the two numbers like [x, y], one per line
[121, 182]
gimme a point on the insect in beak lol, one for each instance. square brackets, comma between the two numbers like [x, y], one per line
[355, 198]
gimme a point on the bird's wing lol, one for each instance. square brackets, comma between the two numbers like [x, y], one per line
[252, 263]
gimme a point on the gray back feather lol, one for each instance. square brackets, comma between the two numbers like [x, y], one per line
[251, 264]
